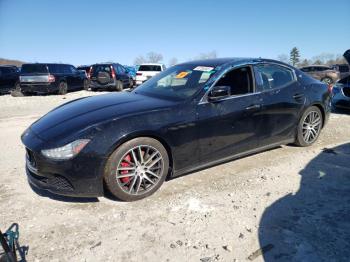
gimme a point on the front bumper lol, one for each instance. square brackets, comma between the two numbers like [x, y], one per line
[340, 100]
[80, 176]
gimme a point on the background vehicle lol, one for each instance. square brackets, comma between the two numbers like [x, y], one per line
[190, 116]
[9, 78]
[322, 73]
[110, 76]
[146, 71]
[341, 90]
[42, 78]
[343, 69]
[85, 68]
[132, 72]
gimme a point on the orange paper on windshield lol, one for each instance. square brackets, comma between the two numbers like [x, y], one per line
[181, 75]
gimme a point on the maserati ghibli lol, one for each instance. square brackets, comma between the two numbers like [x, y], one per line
[191, 116]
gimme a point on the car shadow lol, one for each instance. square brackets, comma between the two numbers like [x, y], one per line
[340, 111]
[314, 223]
[48, 194]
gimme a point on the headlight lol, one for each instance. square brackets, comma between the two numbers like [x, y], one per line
[65, 152]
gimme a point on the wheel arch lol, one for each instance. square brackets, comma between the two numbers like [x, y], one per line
[150, 134]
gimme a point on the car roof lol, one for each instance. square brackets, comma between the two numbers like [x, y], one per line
[8, 66]
[45, 64]
[214, 62]
[316, 66]
[152, 64]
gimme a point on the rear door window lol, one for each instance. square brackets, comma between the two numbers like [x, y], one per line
[270, 76]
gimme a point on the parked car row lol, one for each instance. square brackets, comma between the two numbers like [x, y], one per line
[50, 78]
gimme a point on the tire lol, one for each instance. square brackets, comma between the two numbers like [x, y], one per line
[327, 80]
[131, 84]
[309, 127]
[86, 84]
[17, 92]
[134, 187]
[62, 88]
[119, 86]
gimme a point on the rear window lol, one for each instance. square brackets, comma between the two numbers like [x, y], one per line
[34, 68]
[150, 68]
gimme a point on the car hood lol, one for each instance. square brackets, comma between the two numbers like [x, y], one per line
[347, 56]
[80, 114]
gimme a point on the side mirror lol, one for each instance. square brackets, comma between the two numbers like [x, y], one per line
[219, 92]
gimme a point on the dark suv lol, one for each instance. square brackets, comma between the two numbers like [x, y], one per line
[9, 77]
[51, 78]
[111, 76]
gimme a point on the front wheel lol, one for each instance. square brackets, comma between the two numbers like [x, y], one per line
[309, 127]
[136, 169]
[119, 86]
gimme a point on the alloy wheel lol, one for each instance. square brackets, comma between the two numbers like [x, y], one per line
[311, 126]
[140, 170]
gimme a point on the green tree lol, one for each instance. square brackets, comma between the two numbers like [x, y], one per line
[294, 56]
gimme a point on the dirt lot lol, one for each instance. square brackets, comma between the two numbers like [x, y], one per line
[292, 202]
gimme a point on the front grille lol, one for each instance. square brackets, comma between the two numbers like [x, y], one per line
[60, 183]
[346, 91]
[31, 158]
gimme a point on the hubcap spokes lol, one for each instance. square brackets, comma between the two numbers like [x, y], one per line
[311, 126]
[139, 170]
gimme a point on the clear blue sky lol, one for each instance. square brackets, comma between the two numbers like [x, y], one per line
[84, 32]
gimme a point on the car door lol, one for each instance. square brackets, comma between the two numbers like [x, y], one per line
[282, 99]
[123, 76]
[228, 126]
[6, 77]
[77, 80]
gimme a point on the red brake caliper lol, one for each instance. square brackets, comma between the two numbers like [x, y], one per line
[125, 164]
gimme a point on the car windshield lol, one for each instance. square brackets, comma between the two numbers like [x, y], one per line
[34, 68]
[150, 68]
[178, 82]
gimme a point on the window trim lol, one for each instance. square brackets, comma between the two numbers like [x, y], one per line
[295, 79]
[204, 99]
[252, 65]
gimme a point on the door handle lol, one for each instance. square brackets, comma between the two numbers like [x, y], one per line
[253, 107]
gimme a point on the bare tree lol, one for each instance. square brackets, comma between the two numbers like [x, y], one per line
[139, 60]
[173, 61]
[153, 57]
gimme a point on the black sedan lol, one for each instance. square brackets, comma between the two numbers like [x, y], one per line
[190, 116]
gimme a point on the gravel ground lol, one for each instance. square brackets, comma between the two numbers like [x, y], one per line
[292, 202]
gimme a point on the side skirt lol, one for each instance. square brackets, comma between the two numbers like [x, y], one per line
[229, 158]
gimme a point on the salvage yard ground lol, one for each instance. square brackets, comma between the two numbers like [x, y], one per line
[293, 202]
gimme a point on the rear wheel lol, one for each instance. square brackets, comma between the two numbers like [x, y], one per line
[62, 88]
[309, 127]
[86, 84]
[119, 86]
[136, 169]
